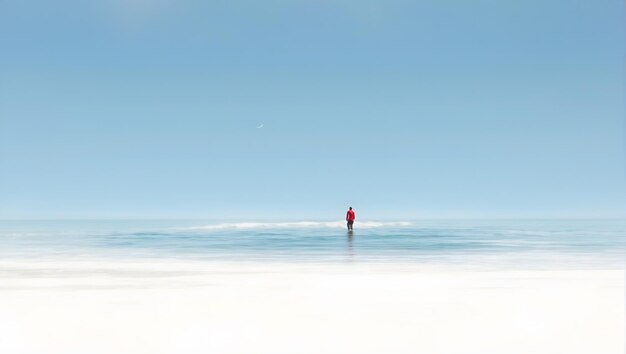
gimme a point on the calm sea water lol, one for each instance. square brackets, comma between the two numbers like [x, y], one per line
[537, 243]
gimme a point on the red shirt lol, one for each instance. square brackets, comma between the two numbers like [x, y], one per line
[350, 215]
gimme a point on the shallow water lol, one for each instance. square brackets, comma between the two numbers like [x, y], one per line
[471, 243]
[194, 286]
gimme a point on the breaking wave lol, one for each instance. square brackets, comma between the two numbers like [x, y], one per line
[299, 224]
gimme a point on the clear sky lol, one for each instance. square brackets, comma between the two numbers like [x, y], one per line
[402, 109]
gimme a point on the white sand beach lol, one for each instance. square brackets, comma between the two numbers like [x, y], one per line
[169, 307]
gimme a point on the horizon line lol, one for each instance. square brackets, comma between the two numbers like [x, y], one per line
[316, 219]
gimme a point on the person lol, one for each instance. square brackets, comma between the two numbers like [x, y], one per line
[350, 218]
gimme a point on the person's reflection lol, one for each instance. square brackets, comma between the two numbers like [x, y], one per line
[350, 251]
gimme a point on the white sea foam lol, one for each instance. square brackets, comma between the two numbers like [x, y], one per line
[299, 224]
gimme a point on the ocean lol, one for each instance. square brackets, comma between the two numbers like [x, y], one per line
[581, 244]
[308, 287]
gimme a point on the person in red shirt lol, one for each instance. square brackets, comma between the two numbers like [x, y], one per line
[350, 218]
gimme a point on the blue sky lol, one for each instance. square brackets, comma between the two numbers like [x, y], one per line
[402, 109]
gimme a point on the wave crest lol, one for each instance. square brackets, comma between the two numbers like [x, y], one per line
[299, 224]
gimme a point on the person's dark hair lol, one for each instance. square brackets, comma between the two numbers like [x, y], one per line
[350, 208]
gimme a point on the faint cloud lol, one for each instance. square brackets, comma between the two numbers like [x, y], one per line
[136, 14]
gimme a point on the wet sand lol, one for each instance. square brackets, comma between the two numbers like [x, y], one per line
[170, 307]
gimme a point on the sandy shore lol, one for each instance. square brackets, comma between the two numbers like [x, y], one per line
[286, 308]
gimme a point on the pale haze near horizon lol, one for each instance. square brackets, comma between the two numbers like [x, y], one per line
[141, 109]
